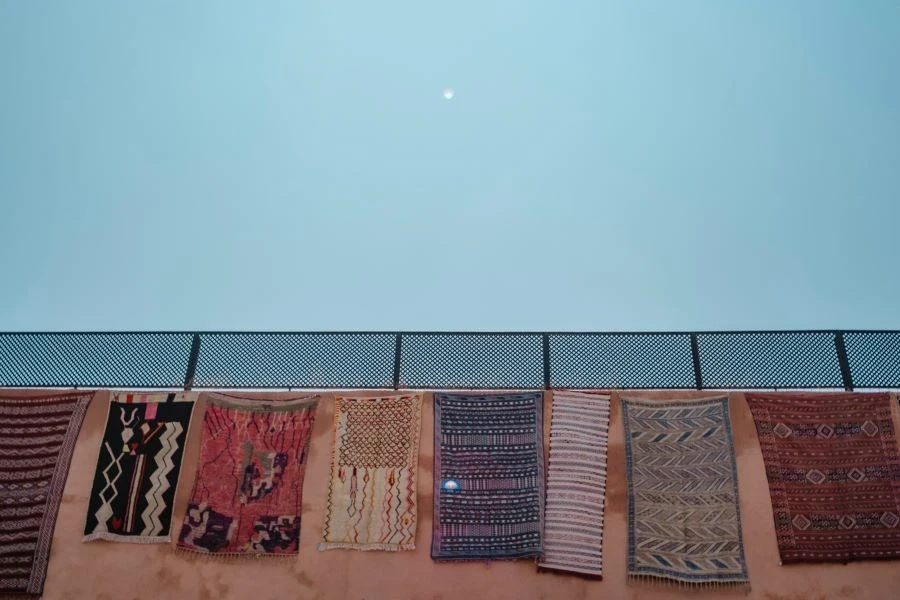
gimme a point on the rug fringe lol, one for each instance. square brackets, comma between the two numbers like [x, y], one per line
[364, 547]
[230, 556]
[128, 539]
[664, 582]
[590, 575]
[487, 560]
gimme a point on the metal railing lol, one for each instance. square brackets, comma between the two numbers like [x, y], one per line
[845, 359]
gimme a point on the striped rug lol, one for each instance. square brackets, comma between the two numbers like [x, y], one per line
[37, 439]
[576, 483]
[488, 476]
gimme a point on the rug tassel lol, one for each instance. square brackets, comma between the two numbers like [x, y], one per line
[229, 557]
[669, 583]
[364, 547]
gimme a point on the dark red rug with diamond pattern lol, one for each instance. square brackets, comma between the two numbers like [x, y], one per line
[834, 474]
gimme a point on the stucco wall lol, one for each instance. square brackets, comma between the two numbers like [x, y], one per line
[107, 570]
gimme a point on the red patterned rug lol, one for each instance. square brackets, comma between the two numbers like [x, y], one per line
[247, 495]
[834, 474]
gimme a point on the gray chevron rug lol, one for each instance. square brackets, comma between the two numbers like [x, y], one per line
[684, 521]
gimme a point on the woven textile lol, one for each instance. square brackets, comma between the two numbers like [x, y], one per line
[684, 519]
[372, 492]
[138, 467]
[834, 474]
[247, 496]
[576, 483]
[488, 476]
[37, 439]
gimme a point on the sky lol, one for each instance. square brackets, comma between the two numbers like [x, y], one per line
[602, 166]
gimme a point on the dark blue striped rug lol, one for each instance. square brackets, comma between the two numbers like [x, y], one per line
[488, 476]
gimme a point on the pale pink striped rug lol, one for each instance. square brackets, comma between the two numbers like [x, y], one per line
[576, 483]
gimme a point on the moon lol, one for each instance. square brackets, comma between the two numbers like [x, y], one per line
[449, 93]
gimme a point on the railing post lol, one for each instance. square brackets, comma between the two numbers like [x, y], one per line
[545, 343]
[398, 351]
[192, 362]
[695, 356]
[844, 363]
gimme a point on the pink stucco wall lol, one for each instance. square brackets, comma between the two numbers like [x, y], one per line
[106, 570]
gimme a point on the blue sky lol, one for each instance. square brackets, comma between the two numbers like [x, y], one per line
[603, 165]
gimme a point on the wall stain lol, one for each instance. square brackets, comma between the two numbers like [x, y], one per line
[615, 483]
[580, 592]
[167, 578]
[796, 596]
[213, 588]
[743, 429]
[303, 579]
[324, 417]
[426, 464]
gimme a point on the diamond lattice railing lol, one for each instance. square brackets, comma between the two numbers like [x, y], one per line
[452, 360]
